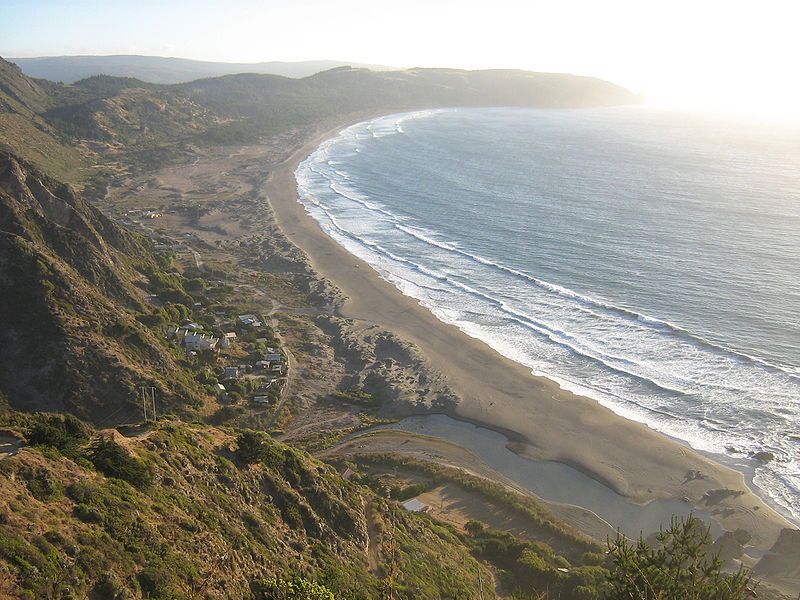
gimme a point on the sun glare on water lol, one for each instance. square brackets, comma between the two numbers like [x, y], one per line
[771, 101]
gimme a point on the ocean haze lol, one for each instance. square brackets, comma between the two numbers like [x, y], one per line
[645, 258]
[159, 69]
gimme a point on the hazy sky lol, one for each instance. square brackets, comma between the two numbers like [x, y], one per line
[712, 53]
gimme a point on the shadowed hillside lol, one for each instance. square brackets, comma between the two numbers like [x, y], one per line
[70, 338]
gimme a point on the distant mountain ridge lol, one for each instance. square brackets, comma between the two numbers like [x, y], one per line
[130, 123]
[159, 69]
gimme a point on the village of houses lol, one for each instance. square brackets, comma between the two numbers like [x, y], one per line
[263, 377]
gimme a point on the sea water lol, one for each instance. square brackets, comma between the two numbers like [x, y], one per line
[649, 259]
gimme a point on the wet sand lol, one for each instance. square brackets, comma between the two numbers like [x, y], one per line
[545, 421]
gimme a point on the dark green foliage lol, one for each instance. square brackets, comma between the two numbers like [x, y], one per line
[154, 319]
[37, 562]
[534, 568]
[252, 447]
[226, 414]
[410, 491]
[157, 582]
[109, 587]
[195, 285]
[356, 396]
[113, 460]
[296, 588]
[63, 432]
[169, 288]
[677, 569]
[175, 313]
[42, 485]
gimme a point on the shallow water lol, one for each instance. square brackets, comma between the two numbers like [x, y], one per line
[553, 481]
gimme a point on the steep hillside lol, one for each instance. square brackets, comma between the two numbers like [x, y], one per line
[22, 100]
[70, 340]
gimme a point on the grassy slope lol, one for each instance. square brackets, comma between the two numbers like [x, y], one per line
[205, 527]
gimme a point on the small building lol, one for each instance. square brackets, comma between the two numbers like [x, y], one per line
[192, 326]
[262, 364]
[414, 505]
[246, 319]
[347, 474]
[220, 389]
[227, 339]
[262, 399]
[231, 373]
[273, 357]
[276, 368]
[202, 341]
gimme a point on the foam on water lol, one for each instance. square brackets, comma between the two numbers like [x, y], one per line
[665, 373]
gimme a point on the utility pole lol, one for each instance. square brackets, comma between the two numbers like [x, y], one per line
[148, 393]
[144, 402]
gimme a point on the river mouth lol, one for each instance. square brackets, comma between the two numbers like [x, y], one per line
[553, 481]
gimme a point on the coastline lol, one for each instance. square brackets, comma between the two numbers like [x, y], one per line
[547, 422]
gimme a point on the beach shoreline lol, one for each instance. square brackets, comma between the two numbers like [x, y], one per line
[547, 422]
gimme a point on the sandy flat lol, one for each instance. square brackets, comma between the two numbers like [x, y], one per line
[548, 422]
[437, 450]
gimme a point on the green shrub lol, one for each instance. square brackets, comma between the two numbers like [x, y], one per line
[225, 414]
[43, 487]
[356, 396]
[157, 582]
[297, 588]
[678, 569]
[252, 447]
[88, 514]
[65, 433]
[113, 460]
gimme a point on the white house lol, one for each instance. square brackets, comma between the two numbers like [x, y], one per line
[200, 341]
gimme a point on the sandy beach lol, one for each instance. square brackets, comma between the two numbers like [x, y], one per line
[545, 421]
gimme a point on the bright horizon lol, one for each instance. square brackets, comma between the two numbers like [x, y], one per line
[712, 55]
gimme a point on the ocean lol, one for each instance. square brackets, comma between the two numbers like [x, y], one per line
[647, 258]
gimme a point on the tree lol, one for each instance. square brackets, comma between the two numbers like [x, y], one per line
[677, 569]
[113, 460]
[252, 446]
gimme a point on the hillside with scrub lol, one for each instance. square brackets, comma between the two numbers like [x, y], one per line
[186, 413]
